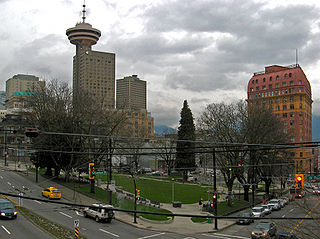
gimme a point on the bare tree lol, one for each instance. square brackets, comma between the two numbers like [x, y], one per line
[167, 149]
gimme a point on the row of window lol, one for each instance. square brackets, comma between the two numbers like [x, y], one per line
[276, 92]
[284, 107]
[270, 79]
[277, 85]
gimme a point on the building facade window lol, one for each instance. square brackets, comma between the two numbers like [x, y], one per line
[291, 106]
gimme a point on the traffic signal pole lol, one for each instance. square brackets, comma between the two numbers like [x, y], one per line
[215, 188]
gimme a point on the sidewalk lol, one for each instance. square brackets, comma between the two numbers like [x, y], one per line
[179, 224]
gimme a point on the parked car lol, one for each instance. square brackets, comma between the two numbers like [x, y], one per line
[258, 212]
[264, 230]
[275, 204]
[245, 218]
[100, 212]
[51, 193]
[267, 208]
[297, 193]
[283, 235]
[7, 209]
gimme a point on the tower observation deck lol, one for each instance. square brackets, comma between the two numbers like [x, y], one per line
[83, 35]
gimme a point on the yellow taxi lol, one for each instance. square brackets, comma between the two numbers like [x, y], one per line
[51, 193]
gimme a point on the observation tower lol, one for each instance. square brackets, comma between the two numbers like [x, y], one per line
[83, 35]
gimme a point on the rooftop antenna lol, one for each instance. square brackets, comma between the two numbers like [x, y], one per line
[84, 11]
[296, 56]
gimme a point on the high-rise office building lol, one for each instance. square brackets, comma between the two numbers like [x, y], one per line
[132, 102]
[287, 91]
[19, 87]
[131, 93]
[93, 71]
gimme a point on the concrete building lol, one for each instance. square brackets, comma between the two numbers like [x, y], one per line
[137, 123]
[287, 91]
[19, 87]
[2, 100]
[132, 102]
[131, 93]
[93, 71]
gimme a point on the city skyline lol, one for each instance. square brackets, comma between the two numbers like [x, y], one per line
[208, 54]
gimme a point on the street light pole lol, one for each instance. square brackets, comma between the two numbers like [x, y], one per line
[5, 148]
[172, 190]
[135, 200]
[215, 187]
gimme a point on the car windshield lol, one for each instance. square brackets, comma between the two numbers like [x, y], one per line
[264, 226]
[245, 215]
[273, 202]
[6, 205]
[56, 191]
[256, 210]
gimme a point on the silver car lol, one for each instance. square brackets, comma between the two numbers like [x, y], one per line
[275, 204]
[264, 230]
[257, 212]
[267, 208]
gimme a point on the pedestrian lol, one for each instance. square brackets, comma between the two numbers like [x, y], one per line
[200, 204]
[264, 200]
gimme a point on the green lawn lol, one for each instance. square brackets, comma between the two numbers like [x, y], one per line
[101, 195]
[161, 191]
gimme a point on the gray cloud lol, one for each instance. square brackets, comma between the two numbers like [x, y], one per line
[45, 57]
[204, 50]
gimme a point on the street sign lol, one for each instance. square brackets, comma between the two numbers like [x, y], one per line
[101, 172]
[313, 178]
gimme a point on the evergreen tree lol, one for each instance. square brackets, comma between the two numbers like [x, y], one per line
[185, 159]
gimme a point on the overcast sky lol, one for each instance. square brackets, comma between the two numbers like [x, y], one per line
[201, 51]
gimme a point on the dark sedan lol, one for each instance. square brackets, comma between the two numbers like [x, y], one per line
[245, 218]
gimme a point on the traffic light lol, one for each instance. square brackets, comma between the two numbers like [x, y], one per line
[214, 199]
[138, 193]
[299, 181]
[91, 170]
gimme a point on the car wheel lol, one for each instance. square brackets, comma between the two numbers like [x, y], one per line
[108, 220]
[97, 219]
[85, 214]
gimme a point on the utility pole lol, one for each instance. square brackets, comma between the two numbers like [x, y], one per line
[253, 176]
[215, 187]
[5, 147]
[110, 173]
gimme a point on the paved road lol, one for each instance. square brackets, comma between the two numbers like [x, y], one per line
[15, 183]
[298, 208]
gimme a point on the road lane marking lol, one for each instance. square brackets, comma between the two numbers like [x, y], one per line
[283, 215]
[37, 201]
[115, 235]
[79, 214]
[305, 217]
[1, 177]
[154, 235]
[9, 183]
[291, 210]
[223, 236]
[65, 214]
[6, 230]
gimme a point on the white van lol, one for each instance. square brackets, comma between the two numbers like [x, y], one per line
[100, 212]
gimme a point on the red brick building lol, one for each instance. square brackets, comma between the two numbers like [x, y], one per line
[287, 91]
